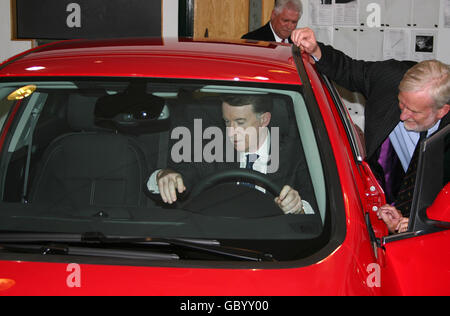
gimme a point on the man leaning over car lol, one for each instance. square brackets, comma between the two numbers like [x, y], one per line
[405, 102]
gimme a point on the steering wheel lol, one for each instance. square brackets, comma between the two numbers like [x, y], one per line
[237, 175]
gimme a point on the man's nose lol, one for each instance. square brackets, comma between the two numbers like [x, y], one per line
[405, 115]
[231, 131]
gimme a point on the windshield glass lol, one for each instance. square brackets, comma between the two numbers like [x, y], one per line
[109, 155]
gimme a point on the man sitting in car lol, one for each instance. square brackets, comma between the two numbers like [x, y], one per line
[247, 119]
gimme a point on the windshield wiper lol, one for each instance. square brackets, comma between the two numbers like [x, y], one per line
[201, 245]
[59, 249]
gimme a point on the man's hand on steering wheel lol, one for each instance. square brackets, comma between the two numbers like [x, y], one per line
[290, 201]
[169, 182]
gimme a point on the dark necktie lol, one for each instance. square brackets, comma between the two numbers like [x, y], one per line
[251, 159]
[406, 192]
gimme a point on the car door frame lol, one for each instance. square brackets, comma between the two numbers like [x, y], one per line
[416, 260]
[421, 274]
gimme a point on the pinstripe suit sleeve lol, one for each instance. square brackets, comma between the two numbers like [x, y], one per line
[355, 75]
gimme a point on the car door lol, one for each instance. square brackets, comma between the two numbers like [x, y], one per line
[417, 261]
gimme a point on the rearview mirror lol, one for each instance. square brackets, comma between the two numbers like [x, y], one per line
[132, 111]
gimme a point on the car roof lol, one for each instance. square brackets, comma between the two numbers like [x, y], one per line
[159, 58]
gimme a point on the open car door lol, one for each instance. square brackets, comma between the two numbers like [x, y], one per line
[417, 262]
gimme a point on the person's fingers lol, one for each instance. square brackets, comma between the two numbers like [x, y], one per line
[290, 206]
[391, 210]
[180, 184]
[162, 185]
[172, 190]
[284, 192]
[296, 209]
[403, 225]
[300, 35]
[169, 182]
[291, 203]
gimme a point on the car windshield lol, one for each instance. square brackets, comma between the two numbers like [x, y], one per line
[85, 155]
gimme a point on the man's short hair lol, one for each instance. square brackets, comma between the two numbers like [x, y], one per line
[288, 4]
[261, 103]
[431, 75]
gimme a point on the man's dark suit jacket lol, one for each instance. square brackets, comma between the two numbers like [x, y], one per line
[378, 82]
[264, 33]
[292, 171]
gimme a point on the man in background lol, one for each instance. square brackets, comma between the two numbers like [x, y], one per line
[283, 21]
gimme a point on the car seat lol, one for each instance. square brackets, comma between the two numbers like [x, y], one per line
[90, 166]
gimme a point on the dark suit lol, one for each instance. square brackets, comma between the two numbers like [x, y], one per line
[264, 33]
[378, 82]
[292, 171]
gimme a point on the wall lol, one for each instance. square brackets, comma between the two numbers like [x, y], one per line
[443, 47]
[170, 29]
[170, 18]
[9, 48]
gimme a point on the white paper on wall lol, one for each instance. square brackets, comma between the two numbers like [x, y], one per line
[344, 39]
[423, 44]
[396, 44]
[323, 34]
[320, 12]
[370, 44]
[346, 13]
[398, 13]
[447, 13]
[425, 13]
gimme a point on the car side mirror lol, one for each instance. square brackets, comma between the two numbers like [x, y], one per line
[439, 212]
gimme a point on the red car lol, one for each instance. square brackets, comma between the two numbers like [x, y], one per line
[84, 124]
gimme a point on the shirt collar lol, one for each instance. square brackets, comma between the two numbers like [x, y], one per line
[432, 130]
[277, 38]
[262, 152]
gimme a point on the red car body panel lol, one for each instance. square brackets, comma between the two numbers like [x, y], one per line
[418, 266]
[162, 59]
[345, 271]
[440, 210]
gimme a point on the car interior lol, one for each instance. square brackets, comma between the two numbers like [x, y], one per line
[94, 145]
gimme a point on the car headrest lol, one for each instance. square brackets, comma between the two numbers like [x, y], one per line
[80, 112]
[280, 114]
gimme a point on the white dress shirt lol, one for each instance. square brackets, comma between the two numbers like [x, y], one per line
[404, 142]
[277, 38]
[260, 165]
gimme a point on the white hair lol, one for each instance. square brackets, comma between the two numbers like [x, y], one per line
[296, 5]
[431, 75]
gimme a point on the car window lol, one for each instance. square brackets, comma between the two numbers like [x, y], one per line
[83, 155]
[5, 106]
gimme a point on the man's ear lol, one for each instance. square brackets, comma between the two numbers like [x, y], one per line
[443, 111]
[265, 119]
[273, 15]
